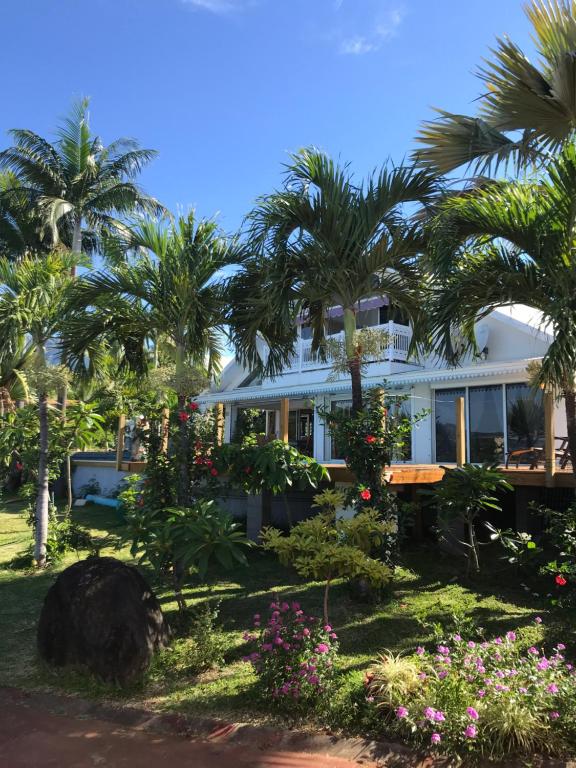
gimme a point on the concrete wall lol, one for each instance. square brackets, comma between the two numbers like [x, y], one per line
[107, 477]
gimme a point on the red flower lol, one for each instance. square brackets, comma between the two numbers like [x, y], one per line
[247, 470]
[208, 463]
[365, 494]
[213, 471]
[560, 580]
[193, 406]
[370, 439]
[198, 460]
[19, 466]
[183, 416]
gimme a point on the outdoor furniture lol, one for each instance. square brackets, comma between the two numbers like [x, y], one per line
[533, 456]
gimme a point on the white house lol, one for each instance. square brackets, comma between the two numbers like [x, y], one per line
[502, 411]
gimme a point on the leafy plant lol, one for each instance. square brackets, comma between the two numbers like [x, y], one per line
[294, 656]
[326, 548]
[490, 698]
[463, 495]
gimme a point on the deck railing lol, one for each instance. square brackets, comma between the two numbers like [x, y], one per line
[395, 345]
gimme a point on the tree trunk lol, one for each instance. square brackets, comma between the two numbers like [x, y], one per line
[76, 239]
[354, 359]
[42, 500]
[473, 557]
[68, 479]
[325, 604]
[183, 488]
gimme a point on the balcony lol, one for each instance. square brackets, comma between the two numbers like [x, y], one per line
[394, 349]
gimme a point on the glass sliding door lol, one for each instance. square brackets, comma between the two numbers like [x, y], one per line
[524, 417]
[486, 424]
[445, 423]
[338, 452]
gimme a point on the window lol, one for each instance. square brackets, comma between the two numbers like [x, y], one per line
[306, 331]
[367, 318]
[402, 452]
[486, 424]
[524, 417]
[445, 418]
[334, 325]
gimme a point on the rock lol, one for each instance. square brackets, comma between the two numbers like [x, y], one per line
[102, 614]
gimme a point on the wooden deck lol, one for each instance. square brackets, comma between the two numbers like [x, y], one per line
[425, 474]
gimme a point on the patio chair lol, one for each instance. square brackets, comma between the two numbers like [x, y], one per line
[534, 455]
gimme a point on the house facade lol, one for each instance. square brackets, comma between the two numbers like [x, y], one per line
[502, 412]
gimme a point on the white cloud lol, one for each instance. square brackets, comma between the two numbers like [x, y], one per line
[385, 28]
[219, 6]
[356, 46]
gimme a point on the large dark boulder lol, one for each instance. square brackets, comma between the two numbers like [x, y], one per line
[101, 613]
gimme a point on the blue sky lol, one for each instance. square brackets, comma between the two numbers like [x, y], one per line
[223, 89]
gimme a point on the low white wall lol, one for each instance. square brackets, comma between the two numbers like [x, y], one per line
[107, 477]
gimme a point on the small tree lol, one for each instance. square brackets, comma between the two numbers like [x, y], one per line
[326, 548]
[463, 495]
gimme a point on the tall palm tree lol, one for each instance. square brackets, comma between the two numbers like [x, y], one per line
[80, 186]
[172, 291]
[22, 230]
[527, 111]
[324, 240]
[512, 243]
[33, 300]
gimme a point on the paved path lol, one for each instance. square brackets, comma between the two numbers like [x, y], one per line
[31, 737]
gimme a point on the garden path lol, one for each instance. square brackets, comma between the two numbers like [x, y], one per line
[31, 737]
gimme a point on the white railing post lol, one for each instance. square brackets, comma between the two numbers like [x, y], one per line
[391, 338]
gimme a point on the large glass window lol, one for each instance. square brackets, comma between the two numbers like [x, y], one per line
[445, 418]
[486, 420]
[524, 417]
[402, 452]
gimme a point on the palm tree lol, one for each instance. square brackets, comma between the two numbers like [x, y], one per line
[79, 186]
[33, 298]
[171, 292]
[22, 231]
[513, 243]
[526, 110]
[324, 240]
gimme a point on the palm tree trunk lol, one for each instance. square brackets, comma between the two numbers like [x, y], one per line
[43, 498]
[354, 361]
[570, 406]
[68, 479]
[76, 239]
[183, 486]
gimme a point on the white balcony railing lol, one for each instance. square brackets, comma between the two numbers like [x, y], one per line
[396, 343]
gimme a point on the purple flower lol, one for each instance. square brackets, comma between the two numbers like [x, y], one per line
[552, 688]
[554, 715]
[561, 647]
[534, 651]
[498, 641]
[457, 639]
[444, 650]
[401, 712]
[420, 651]
[543, 664]
[471, 644]
[313, 679]
[538, 620]
[429, 713]
[422, 675]
[472, 713]
[435, 738]
[442, 674]
[327, 628]
[523, 690]
[470, 732]
[439, 717]
[511, 636]
[481, 693]
[322, 648]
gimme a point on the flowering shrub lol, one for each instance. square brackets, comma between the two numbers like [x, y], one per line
[294, 656]
[489, 697]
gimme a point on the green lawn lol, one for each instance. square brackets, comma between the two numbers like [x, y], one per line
[427, 588]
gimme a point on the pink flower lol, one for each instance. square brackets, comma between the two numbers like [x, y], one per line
[435, 738]
[365, 494]
[471, 644]
[442, 674]
[472, 713]
[401, 712]
[305, 631]
[554, 715]
[511, 636]
[313, 679]
[457, 638]
[552, 688]
[533, 651]
[322, 648]
[470, 732]
[561, 647]
[420, 651]
[284, 607]
[429, 713]
[538, 620]
[481, 693]
[498, 640]
[543, 664]
[278, 641]
[327, 628]
[439, 717]
[422, 675]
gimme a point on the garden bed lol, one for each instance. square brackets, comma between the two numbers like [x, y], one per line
[427, 591]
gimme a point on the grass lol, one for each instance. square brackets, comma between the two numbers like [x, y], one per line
[427, 590]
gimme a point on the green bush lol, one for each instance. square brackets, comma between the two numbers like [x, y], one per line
[491, 698]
